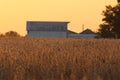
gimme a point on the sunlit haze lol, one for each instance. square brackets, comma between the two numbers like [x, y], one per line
[15, 13]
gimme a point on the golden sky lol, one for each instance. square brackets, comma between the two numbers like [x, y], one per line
[15, 13]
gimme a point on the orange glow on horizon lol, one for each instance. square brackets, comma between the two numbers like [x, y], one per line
[15, 13]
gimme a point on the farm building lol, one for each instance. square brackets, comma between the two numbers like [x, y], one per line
[85, 34]
[88, 34]
[55, 29]
[72, 34]
[46, 29]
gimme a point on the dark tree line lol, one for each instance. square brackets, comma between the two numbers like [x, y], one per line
[118, 1]
[110, 28]
[10, 34]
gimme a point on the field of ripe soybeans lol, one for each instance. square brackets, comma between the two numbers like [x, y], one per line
[59, 59]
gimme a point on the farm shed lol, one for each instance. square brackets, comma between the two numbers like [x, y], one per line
[46, 29]
[72, 34]
[85, 34]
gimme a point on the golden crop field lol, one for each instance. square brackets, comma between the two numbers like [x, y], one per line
[59, 59]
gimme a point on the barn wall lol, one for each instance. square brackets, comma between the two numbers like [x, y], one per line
[47, 34]
[82, 35]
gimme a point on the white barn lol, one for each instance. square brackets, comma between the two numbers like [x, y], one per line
[46, 29]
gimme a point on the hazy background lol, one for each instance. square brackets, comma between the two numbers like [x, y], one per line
[15, 13]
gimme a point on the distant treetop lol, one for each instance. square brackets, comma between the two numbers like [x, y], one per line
[12, 34]
[118, 0]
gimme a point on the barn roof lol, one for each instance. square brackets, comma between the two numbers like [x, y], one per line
[87, 31]
[46, 26]
[48, 22]
[71, 32]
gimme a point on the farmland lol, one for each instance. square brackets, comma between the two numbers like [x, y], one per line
[59, 59]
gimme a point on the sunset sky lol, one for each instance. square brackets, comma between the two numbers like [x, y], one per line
[15, 13]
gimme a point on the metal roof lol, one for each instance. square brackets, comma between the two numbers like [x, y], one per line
[87, 31]
[48, 22]
[46, 26]
[71, 32]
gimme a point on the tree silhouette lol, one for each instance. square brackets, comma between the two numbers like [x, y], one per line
[12, 34]
[1, 35]
[105, 31]
[111, 26]
[118, 1]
